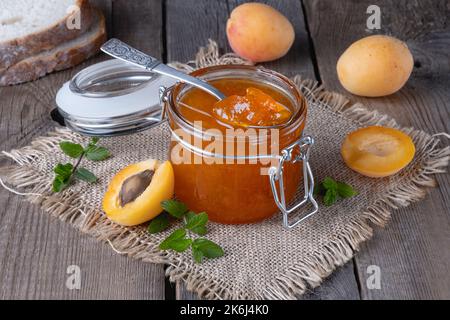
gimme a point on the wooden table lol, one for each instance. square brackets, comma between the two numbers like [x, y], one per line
[413, 251]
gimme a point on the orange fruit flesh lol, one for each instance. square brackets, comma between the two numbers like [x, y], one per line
[145, 206]
[377, 151]
[256, 108]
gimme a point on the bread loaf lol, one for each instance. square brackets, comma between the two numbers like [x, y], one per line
[28, 27]
[62, 56]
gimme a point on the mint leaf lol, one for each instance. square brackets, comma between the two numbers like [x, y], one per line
[201, 230]
[319, 190]
[95, 153]
[176, 241]
[330, 197]
[208, 248]
[85, 175]
[59, 183]
[94, 140]
[197, 222]
[345, 190]
[63, 170]
[174, 208]
[158, 224]
[180, 245]
[73, 150]
[328, 183]
[197, 254]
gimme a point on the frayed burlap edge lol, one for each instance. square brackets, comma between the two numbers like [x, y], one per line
[306, 274]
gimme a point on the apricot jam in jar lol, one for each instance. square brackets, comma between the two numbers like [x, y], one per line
[239, 172]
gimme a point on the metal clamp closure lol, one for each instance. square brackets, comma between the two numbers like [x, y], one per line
[276, 175]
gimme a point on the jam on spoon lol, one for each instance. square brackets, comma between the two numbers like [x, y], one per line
[256, 108]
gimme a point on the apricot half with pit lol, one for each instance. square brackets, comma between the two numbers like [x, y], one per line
[377, 151]
[135, 193]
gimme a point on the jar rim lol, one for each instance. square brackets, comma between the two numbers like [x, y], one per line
[294, 93]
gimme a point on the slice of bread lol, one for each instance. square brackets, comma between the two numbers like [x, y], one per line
[28, 27]
[63, 56]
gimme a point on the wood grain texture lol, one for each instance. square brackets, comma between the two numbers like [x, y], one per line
[35, 250]
[208, 19]
[413, 251]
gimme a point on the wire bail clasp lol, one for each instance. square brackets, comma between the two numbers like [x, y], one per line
[276, 175]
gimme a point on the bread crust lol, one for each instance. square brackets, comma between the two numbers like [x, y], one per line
[38, 66]
[15, 50]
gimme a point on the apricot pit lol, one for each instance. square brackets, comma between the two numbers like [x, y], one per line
[135, 193]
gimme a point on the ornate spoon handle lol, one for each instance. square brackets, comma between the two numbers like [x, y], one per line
[122, 51]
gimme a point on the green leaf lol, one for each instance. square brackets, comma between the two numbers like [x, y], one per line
[94, 140]
[330, 197]
[176, 241]
[345, 190]
[174, 208]
[197, 254]
[63, 170]
[208, 248]
[192, 218]
[85, 175]
[59, 183]
[180, 245]
[95, 153]
[319, 190]
[197, 222]
[201, 230]
[158, 224]
[329, 183]
[73, 150]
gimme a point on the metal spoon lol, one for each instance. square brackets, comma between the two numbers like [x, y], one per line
[122, 51]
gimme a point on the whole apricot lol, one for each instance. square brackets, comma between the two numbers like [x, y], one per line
[377, 151]
[258, 32]
[375, 66]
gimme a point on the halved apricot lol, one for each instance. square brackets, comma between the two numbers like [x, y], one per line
[377, 151]
[135, 193]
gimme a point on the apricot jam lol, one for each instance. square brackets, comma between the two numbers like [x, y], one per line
[256, 108]
[230, 186]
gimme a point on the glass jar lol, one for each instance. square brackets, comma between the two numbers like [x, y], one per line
[238, 176]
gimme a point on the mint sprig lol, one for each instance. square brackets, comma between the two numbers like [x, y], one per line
[66, 173]
[180, 240]
[332, 190]
[160, 223]
[175, 208]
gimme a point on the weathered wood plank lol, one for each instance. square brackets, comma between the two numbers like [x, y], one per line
[189, 25]
[413, 250]
[35, 250]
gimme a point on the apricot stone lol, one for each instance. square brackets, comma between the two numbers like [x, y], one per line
[258, 32]
[135, 193]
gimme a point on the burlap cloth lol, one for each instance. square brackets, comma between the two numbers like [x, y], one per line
[261, 260]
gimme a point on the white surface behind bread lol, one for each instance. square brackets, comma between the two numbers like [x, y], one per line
[64, 55]
[28, 27]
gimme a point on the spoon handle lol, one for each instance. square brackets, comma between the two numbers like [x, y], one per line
[122, 51]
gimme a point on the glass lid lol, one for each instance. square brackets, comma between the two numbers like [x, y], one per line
[111, 98]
